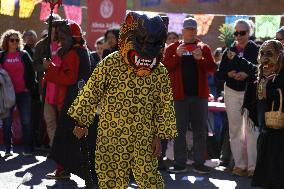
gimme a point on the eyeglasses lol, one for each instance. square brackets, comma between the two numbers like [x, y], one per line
[12, 40]
[241, 33]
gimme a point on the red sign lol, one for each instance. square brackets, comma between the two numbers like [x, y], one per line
[102, 15]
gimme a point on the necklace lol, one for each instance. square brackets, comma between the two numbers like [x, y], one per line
[261, 86]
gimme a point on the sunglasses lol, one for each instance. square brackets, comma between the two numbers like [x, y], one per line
[14, 40]
[241, 33]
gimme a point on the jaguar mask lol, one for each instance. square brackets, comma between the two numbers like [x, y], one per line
[141, 42]
[270, 57]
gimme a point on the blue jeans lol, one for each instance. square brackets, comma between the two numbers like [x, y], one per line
[23, 102]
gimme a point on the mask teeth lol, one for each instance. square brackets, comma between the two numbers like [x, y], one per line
[153, 63]
[145, 62]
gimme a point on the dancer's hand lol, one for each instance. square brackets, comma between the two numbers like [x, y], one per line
[79, 132]
[156, 147]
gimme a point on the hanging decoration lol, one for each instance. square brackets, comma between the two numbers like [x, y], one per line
[177, 1]
[45, 11]
[7, 7]
[149, 3]
[204, 21]
[73, 13]
[175, 22]
[73, 10]
[232, 18]
[208, 1]
[266, 25]
[26, 8]
[71, 2]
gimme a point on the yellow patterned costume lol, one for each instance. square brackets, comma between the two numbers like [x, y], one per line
[134, 110]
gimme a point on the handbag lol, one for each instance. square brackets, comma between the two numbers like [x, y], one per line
[275, 119]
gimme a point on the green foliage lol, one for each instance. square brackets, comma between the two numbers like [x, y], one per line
[226, 34]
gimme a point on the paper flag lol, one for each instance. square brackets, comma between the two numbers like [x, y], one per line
[232, 18]
[204, 21]
[175, 22]
[266, 25]
[7, 7]
[45, 11]
[73, 13]
[26, 8]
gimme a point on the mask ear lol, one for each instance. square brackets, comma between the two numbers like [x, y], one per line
[129, 20]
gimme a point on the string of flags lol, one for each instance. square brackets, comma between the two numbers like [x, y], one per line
[72, 9]
[265, 25]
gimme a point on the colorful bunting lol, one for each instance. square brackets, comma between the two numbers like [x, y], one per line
[7, 7]
[231, 19]
[177, 1]
[45, 11]
[149, 3]
[266, 25]
[71, 2]
[204, 21]
[175, 22]
[73, 13]
[26, 8]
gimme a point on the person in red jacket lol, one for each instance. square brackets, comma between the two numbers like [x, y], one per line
[188, 63]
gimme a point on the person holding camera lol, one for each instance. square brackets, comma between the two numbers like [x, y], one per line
[188, 62]
[237, 68]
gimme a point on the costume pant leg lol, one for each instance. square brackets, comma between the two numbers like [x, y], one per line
[144, 165]
[112, 160]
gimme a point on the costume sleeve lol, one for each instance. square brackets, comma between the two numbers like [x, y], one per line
[164, 113]
[67, 73]
[83, 109]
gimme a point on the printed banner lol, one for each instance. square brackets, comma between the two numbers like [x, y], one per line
[149, 3]
[26, 8]
[71, 2]
[45, 11]
[231, 19]
[104, 14]
[7, 7]
[175, 22]
[267, 25]
[204, 21]
[73, 13]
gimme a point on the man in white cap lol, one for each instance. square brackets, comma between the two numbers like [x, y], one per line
[188, 62]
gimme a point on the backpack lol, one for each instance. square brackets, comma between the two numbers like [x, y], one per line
[7, 94]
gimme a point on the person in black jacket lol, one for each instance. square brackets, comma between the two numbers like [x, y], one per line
[236, 69]
[30, 38]
[18, 64]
